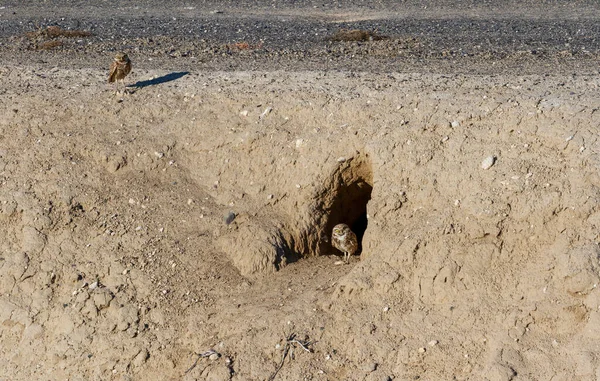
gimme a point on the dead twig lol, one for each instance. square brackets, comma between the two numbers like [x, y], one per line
[200, 355]
[290, 344]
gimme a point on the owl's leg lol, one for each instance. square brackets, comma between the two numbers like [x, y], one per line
[347, 256]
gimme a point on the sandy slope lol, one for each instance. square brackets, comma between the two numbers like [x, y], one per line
[117, 262]
[191, 216]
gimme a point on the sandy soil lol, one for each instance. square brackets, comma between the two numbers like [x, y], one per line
[181, 231]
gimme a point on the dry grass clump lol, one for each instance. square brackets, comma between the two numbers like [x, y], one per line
[50, 37]
[356, 35]
[46, 45]
[243, 45]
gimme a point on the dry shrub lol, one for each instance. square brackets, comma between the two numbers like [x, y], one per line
[243, 45]
[46, 45]
[356, 35]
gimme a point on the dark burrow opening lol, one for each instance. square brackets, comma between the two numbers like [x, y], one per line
[350, 207]
[344, 200]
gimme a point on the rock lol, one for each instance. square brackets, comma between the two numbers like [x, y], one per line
[455, 123]
[433, 343]
[229, 217]
[33, 240]
[213, 357]
[140, 358]
[127, 316]
[488, 162]
[266, 112]
[102, 298]
[218, 373]
[369, 367]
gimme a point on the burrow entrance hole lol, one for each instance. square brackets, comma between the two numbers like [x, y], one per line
[343, 199]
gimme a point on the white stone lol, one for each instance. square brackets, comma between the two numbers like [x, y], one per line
[488, 162]
[266, 112]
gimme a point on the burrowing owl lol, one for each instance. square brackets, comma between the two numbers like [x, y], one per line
[344, 240]
[119, 69]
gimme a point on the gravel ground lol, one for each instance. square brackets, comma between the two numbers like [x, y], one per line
[442, 36]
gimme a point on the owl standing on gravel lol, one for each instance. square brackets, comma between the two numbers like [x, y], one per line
[344, 240]
[119, 69]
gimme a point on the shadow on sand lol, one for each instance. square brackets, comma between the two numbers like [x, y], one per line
[157, 81]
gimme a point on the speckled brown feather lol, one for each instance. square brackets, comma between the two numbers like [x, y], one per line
[344, 239]
[120, 67]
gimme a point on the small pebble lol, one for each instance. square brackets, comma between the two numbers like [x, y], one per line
[269, 197]
[422, 350]
[386, 309]
[432, 343]
[299, 143]
[488, 162]
[369, 367]
[455, 123]
[266, 112]
[341, 159]
[214, 356]
[229, 218]
[244, 113]
[94, 285]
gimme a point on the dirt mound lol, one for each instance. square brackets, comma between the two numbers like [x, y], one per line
[182, 231]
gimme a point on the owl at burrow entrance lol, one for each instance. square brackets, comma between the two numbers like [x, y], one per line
[344, 239]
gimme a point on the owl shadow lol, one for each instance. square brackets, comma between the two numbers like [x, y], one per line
[157, 81]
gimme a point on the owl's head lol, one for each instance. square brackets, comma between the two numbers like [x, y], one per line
[121, 57]
[340, 230]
